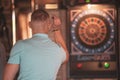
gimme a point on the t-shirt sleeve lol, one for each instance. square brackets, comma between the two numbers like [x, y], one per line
[15, 53]
[63, 54]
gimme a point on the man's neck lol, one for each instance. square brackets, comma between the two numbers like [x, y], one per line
[39, 32]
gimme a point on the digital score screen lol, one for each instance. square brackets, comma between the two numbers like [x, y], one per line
[93, 42]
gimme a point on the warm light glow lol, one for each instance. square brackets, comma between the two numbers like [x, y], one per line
[89, 6]
[51, 6]
[32, 4]
[92, 6]
[13, 22]
[29, 29]
[14, 27]
[25, 30]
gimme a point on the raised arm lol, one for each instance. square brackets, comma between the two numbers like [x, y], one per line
[60, 41]
[57, 36]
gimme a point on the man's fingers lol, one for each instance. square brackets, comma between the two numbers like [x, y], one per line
[57, 21]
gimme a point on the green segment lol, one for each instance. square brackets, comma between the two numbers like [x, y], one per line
[87, 0]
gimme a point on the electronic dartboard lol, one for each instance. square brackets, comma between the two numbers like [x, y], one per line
[92, 31]
[93, 42]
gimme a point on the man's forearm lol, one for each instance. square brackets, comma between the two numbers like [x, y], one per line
[10, 71]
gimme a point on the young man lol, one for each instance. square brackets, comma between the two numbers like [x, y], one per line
[40, 57]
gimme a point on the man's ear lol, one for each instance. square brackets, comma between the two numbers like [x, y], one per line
[48, 24]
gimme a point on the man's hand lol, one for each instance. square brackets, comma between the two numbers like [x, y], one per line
[56, 25]
[56, 21]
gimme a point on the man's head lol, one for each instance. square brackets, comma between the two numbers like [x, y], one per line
[39, 15]
[40, 21]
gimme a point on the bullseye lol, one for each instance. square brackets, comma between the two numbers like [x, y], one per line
[92, 31]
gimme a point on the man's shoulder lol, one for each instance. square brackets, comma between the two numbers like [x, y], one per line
[20, 43]
[23, 41]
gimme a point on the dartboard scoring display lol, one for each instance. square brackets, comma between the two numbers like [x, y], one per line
[92, 31]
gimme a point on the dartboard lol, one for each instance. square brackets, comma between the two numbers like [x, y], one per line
[92, 31]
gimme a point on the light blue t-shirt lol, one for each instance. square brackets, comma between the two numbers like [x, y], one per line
[39, 58]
